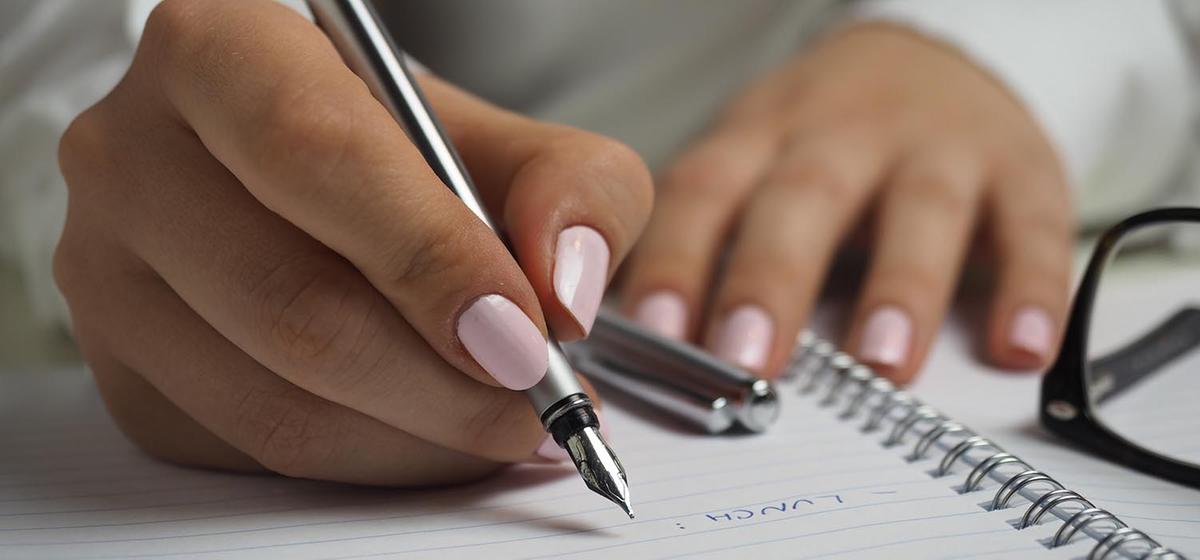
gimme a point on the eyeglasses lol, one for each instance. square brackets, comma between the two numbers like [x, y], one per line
[1126, 384]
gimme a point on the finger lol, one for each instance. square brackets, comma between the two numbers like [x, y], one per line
[1032, 233]
[306, 138]
[292, 304]
[926, 215]
[280, 426]
[573, 214]
[670, 272]
[788, 233]
[572, 203]
[156, 425]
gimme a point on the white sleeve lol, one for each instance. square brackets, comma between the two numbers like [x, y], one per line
[1109, 81]
[56, 59]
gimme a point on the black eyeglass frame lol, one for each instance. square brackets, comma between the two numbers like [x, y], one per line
[1066, 408]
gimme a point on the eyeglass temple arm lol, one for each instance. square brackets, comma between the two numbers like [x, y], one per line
[1118, 371]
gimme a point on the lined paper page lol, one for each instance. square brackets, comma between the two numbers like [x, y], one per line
[1003, 406]
[71, 487]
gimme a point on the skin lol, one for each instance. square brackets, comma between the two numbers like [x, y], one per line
[874, 132]
[264, 274]
[260, 266]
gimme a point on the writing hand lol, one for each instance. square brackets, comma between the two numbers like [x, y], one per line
[263, 272]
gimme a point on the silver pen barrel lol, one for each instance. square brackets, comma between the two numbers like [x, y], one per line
[368, 50]
[565, 410]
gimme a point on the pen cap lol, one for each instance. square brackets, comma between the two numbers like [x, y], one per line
[624, 347]
[710, 414]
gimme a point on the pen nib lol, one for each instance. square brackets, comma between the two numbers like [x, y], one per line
[599, 467]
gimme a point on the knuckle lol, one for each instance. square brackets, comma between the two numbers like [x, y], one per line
[1047, 225]
[433, 253]
[318, 318]
[704, 177]
[304, 129]
[827, 187]
[915, 282]
[170, 18]
[612, 156]
[83, 146]
[696, 179]
[787, 271]
[287, 434]
[631, 174]
[176, 31]
[65, 267]
[600, 161]
[136, 409]
[941, 195]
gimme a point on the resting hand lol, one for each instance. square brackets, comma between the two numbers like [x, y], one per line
[873, 125]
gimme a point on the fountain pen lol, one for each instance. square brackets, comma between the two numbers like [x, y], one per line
[565, 410]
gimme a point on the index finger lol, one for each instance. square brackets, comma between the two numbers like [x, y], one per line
[271, 99]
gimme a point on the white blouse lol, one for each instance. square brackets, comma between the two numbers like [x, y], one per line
[1111, 82]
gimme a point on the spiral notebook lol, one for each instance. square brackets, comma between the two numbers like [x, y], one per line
[816, 486]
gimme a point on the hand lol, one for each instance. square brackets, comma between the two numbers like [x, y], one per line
[263, 272]
[878, 122]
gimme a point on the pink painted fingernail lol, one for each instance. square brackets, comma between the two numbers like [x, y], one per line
[1032, 331]
[745, 337]
[581, 272]
[663, 312]
[504, 342]
[886, 337]
[550, 451]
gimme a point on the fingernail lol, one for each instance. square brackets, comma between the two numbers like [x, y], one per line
[581, 272]
[1032, 331]
[886, 337]
[663, 312]
[504, 342]
[550, 451]
[745, 337]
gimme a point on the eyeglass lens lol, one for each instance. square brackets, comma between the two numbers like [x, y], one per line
[1143, 366]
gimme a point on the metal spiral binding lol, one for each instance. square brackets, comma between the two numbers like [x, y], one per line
[1116, 539]
[958, 450]
[1161, 551]
[1087, 516]
[893, 399]
[986, 466]
[816, 362]
[922, 412]
[839, 367]
[803, 351]
[1014, 485]
[931, 437]
[856, 375]
[1047, 503]
[875, 386]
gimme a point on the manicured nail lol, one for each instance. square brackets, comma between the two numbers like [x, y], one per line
[886, 337]
[663, 312]
[581, 272]
[745, 337]
[1032, 331]
[504, 342]
[550, 451]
